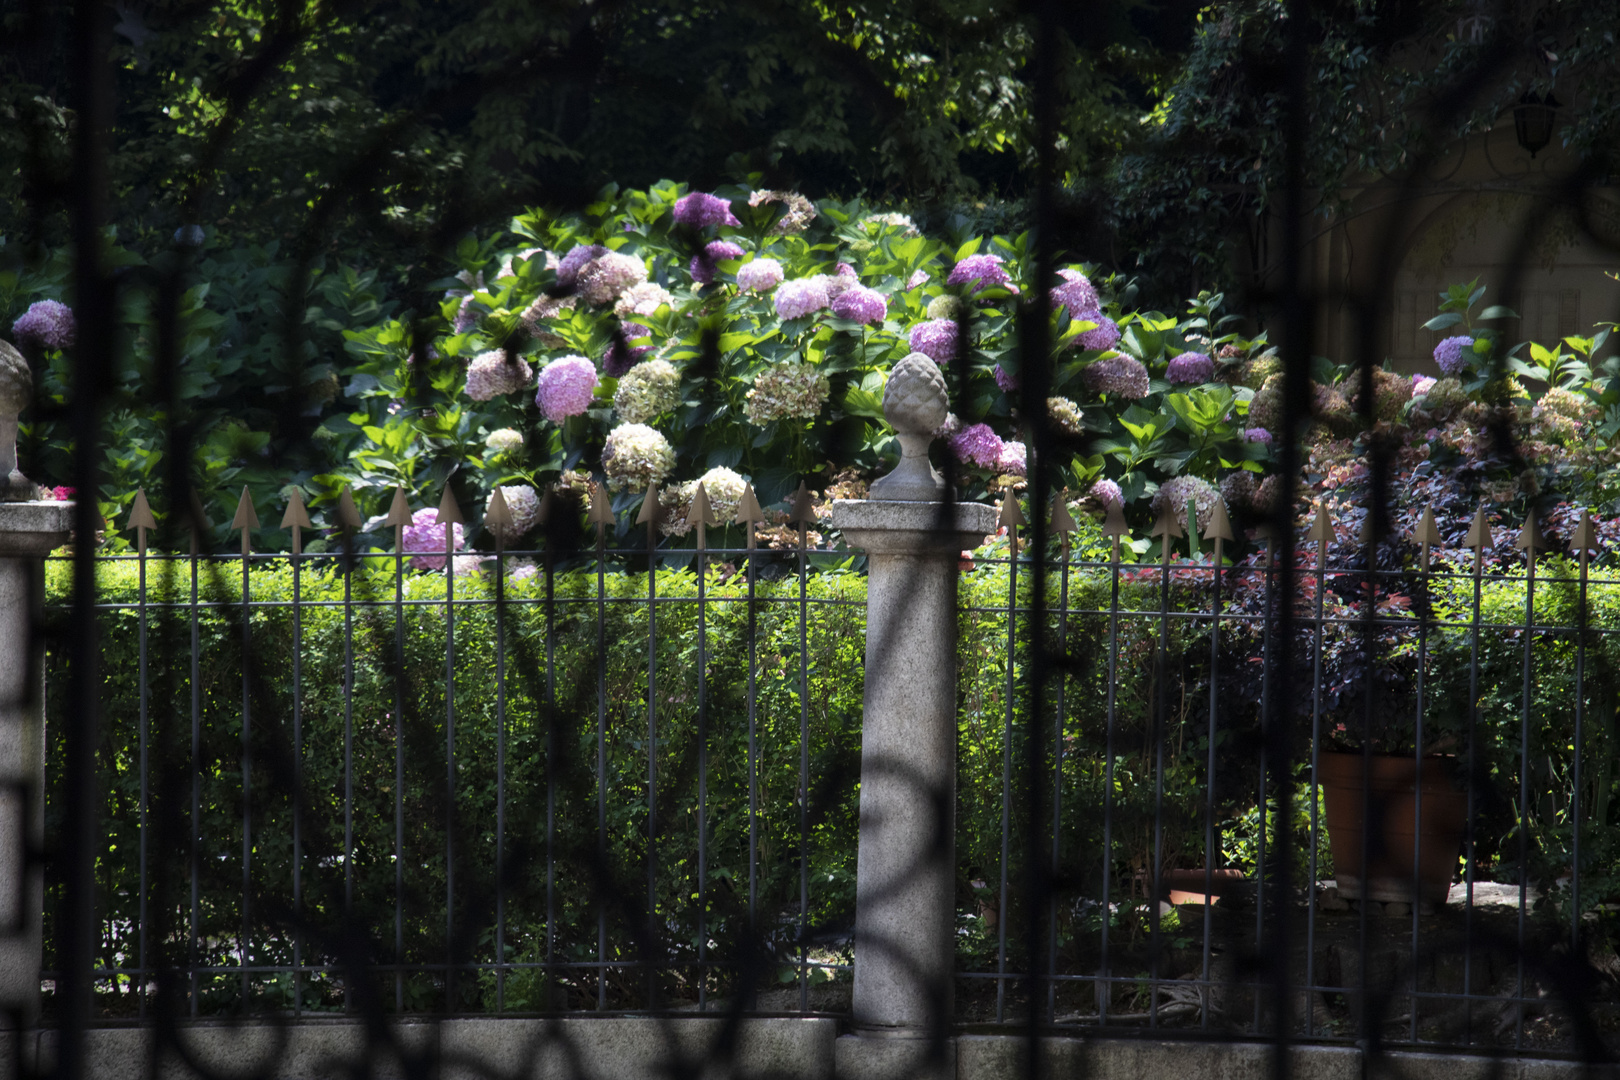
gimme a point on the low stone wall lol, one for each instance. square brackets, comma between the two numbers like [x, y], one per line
[635, 1048]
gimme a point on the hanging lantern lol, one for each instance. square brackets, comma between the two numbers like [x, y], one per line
[1533, 120]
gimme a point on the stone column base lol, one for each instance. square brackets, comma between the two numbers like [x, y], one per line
[892, 1057]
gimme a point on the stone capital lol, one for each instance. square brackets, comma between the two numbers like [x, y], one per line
[33, 529]
[881, 527]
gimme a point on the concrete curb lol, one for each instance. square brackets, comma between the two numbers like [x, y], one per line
[763, 1048]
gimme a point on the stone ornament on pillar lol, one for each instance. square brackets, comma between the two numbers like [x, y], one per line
[914, 401]
[16, 391]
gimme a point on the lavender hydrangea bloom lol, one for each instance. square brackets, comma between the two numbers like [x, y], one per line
[841, 280]
[861, 304]
[1105, 335]
[917, 279]
[1257, 435]
[977, 445]
[566, 388]
[1006, 380]
[704, 266]
[1119, 376]
[568, 270]
[983, 270]
[619, 359]
[937, 338]
[761, 275]
[1454, 353]
[1108, 493]
[1014, 459]
[805, 296]
[1076, 294]
[606, 277]
[700, 209]
[48, 323]
[494, 373]
[425, 540]
[1191, 369]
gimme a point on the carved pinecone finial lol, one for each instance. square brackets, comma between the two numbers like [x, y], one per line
[915, 398]
[16, 382]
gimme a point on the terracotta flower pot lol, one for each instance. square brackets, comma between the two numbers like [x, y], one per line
[1393, 808]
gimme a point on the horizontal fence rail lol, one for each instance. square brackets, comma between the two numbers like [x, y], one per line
[626, 781]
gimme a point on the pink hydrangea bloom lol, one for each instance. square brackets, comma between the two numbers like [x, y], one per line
[700, 210]
[1013, 460]
[977, 445]
[760, 275]
[1006, 380]
[917, 279]
[984, 270]
[425, 540]
[48, 323]
[1107, 492]
[1105, 335]
[494, 373]
[804, 296]
[703, 266]
[1190, 369]
[566, 388]
[937, 338]
[1422, 384]
[1076, 294]
[1118, 375]
[861, 304]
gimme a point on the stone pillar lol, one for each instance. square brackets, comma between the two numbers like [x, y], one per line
[905, 895]
[28, 531]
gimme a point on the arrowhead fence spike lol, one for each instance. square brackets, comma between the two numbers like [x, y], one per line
[748, 511]
[399, 511]
[140, 512]
[1479, 534]
[1114, 524]
[297, 515]
[246, 517]
[199, 517]
[803, 509]
[601, 512]
[1322, 527]
[498, 517]
[701, 511]
[348, 516]
[652, 510]
[1220, 526]
[449, 509]
[1012, 515]
[1062, 520]
[1167, 525]
[1585, 538]
[1530, 536]
[1428, 530]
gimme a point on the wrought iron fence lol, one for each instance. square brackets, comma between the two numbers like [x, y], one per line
[337, 781]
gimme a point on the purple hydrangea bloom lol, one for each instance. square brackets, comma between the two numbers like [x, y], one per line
[977, 445]
[700, 209]
[761, 275]
[568, 270]
[619, 359]
[1454, 353]
[861, 304]
[1104, 336]
[1107, 492]
[937, 338]
[424, 538]
[1191, 369]
[703, 263]
[1006, 380]
[805, 296]
[1118, 375]
[494, 373]
[1257, 434]
[1076, 294]
[985, 270]
[565, 388]
[1014, 459]
[466, 317]
[917, 279]
[48, 323]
